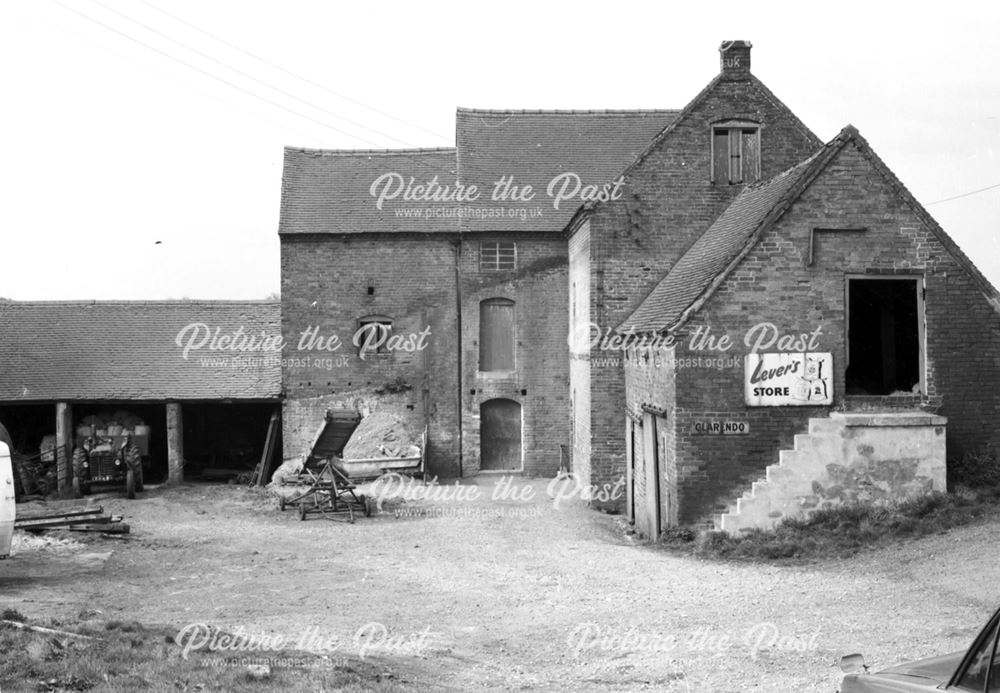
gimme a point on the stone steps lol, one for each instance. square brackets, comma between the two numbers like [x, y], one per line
[847, 456]
[787, 487]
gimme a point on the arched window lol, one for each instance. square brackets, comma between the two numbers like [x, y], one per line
[372, 335]
[496, 335]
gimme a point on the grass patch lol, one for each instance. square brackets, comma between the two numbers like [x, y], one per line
[125, 656]
[843, 530]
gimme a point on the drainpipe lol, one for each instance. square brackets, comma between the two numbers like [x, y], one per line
[458, 317]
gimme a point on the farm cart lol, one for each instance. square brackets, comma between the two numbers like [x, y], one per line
[331, 480]
[329, 492]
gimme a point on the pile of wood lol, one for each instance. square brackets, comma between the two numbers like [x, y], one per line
[83, 520]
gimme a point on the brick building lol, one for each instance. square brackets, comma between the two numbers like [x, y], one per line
[822, 340]
[620, 249]
[475, 281]
[517, 264]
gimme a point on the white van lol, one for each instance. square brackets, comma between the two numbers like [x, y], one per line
[6, 500]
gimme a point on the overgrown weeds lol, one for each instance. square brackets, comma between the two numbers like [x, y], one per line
[978, 468]
[843, 530]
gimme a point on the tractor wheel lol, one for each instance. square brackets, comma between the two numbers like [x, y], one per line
[79, 457]
[133, 461]
[140, 486]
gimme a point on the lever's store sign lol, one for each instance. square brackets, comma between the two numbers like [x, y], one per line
[783, 379]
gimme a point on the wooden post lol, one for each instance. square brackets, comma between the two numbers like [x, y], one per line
[175, 443]
[64, 446]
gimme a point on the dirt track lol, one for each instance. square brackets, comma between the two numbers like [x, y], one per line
[506, 595]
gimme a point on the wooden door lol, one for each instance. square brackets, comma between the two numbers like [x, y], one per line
[652, 469]
[500, 435]
[630, 469]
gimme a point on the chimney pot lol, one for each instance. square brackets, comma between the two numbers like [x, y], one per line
[735, 59]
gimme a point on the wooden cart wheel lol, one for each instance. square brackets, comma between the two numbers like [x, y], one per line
[367, 502]
[302, 511]
[130, 484]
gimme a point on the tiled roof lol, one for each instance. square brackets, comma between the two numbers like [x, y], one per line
[329, 191]
[713, 252]
[533, 147]
[129, 351]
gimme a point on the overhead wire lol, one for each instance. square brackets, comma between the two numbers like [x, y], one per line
[217, 96]
[249, 76]
[275, 66]
[223, 80]
[409, 155]
[965, 194]
[271, 64]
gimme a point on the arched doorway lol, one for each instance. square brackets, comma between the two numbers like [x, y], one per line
[500, 435]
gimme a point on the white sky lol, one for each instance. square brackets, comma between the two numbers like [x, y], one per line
[109, 146]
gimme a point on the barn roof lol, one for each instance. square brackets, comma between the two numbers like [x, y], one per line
[329, 191]
[134, 350]
[428, 190]
[713, 253]
[574, 148]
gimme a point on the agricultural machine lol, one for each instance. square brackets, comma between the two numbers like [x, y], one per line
[103, 459]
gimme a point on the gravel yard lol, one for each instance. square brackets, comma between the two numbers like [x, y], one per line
[482, 594]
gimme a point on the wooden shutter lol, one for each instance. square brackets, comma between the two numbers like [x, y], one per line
[496, 335]
[720, 156]
[735, 157]
[751, 156]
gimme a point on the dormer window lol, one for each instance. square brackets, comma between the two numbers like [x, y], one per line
[735, 153]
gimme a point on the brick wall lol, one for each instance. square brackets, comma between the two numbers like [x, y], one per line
[304, 417]
[774, 284]
[324, 286]
[540, 381]
[669, 201]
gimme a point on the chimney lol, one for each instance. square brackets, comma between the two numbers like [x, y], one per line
[735, 59]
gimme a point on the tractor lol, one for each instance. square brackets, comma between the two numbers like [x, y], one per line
[107, 460]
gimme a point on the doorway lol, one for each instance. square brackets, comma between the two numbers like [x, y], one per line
[652, 475]
[884, 345]
[629, 469]
[500, 435]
